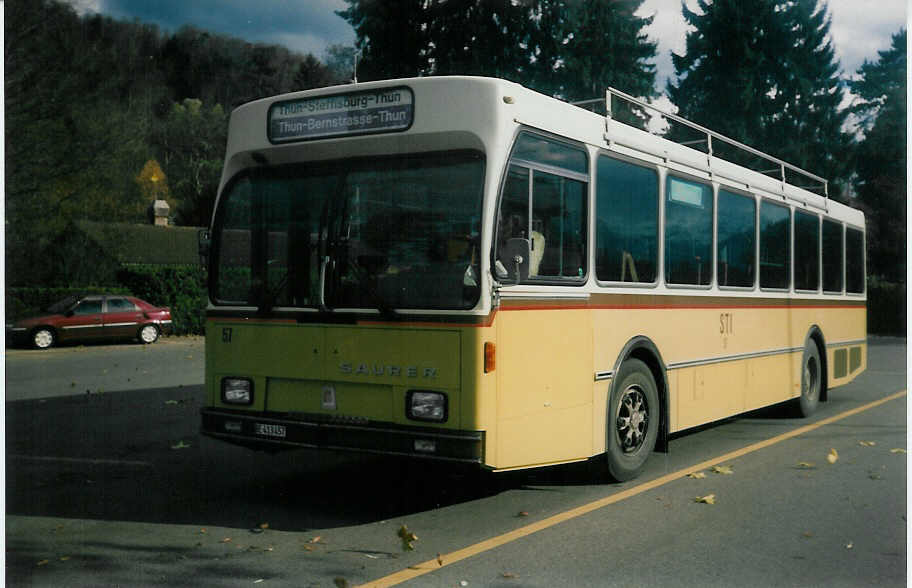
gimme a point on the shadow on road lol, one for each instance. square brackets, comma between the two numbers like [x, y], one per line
[137, 456]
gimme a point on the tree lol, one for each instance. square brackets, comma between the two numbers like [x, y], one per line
[881, 157]
[764, 73]
[572, 49]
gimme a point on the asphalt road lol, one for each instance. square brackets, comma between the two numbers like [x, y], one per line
[119, 489]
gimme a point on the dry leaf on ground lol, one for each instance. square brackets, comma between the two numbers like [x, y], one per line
[721, 469]
[697, 475]
[832, 456]
[708, 499]
[897, 450]
[867, 443]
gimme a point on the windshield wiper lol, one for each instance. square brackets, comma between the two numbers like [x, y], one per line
[363, 277]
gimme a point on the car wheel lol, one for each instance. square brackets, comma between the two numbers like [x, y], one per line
[633, 420]
[148, 334]
[43, 338]
[811, 380]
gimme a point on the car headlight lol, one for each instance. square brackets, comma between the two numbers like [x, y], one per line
[422, 405]
[237, 391]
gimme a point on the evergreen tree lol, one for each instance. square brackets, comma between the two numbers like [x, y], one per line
[881, 157]
[763, 72]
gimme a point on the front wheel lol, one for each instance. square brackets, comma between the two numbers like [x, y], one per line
[148, 334]
[633, 420]
[811, 380]
[43, 338]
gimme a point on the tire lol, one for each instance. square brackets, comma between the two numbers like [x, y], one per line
[148, 334]
[811, 380]
[43, 338]
[632, 424]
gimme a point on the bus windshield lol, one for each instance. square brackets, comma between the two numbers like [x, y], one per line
[380, 233]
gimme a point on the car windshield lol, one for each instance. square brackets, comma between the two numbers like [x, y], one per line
[62, 305]
[398, 232]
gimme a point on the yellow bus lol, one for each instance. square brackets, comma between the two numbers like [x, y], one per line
[463, 269]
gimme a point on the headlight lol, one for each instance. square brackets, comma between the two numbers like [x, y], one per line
[426, 406]
[237, 391]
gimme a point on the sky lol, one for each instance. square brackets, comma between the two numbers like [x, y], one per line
[860, 28]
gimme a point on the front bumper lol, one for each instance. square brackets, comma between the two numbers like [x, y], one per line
[317, 431]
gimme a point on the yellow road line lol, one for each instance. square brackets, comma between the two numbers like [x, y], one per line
[488, 544]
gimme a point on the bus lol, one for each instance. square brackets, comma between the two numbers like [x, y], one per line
[463, 269]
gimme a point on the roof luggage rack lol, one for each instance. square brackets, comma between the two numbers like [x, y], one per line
[820, 185]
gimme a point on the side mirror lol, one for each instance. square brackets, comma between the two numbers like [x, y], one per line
[203, 246]
[515, 256]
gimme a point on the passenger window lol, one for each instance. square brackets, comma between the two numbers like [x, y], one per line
[854, 259]
[627, 222]
[775, 246]
[736, 238]
[832, 256]
[807, 251]
[557, 226]
[688, 232]
[120, 305]
[88, 307]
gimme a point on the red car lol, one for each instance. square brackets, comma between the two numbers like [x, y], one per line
[91, 318]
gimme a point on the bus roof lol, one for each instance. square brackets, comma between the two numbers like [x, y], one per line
[466, 112]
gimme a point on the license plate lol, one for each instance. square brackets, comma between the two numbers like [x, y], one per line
[269, 430]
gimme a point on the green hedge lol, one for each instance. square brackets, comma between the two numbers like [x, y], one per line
[886, 307]
[180, 288]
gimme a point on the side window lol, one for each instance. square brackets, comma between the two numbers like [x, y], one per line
[88, 307]
[807, 249]
[832, 256]
[736, 231]
[627, 222]
[775, 246]
[556, 198]
[854, 259]
[120, 305]
[688, 232]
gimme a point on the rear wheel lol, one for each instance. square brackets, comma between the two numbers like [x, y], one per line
[148, 334]
[633, 420]
[811, 380]
[43, 338]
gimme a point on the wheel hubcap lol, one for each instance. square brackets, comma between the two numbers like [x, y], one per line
[811, 381]
[632, 419]
[43, 339]
[148, 334]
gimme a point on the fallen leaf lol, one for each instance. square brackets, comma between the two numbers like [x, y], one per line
[807, 534]
[203, 531]
[43, 562]
[726, 470]
[439, 560]
[408, 538]
[697, 475]
[522, 513]
[832, 456]
[874, 476]
[171, 402]
[65, 558]
[805, 465]
[180, 445]
[269, 548]
[867, 443]
[509, 575]
[226, 540]
[316, 539]
[708, 499]
[897, 450]
[258, 581]
[264, 525]
[850, 545]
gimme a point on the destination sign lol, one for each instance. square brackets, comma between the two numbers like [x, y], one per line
[381, 111]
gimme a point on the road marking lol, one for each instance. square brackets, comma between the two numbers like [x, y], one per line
[77, 460]
[488, 544]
